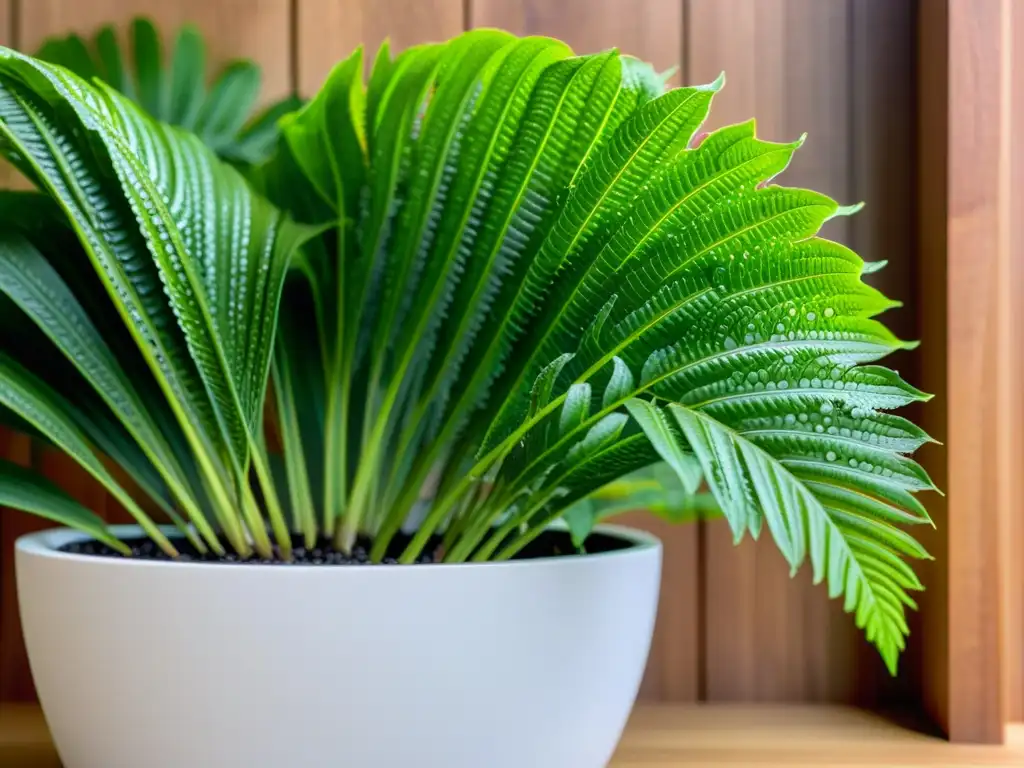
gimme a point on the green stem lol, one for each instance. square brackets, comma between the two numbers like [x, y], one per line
[277, 520]
[481, 524]
[254, 522]
[514, 522]
[464, 515]
[336, 452]
[398, 512]
[368, 469]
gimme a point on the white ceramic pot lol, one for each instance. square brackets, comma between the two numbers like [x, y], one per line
[527, 664]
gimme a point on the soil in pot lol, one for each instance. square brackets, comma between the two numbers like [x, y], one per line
[548, 544]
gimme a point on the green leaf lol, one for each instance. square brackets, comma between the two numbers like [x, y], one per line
[188, 75]
[576, 408]
[619, 385]
[231, 99]
[659, 431]
[111, 62]
[148, 58]
[749, 482]
[32, 400]
[29, 280]
[24, 490]
[182, 254]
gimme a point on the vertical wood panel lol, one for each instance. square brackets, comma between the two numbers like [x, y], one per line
[966, 277]
[787, 63]
[256, 29]
[977, 263]
[651, 30]
[329, 30]
[1012, 450]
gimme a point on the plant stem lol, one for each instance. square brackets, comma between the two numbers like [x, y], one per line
[397, 514]
[510, 525]
[336, 451]
[368, 468]
[277, 522]
[481, 524]
[254, 522]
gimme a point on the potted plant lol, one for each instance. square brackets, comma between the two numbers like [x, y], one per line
[350, 395]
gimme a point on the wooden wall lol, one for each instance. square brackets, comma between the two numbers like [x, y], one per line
[733, 625]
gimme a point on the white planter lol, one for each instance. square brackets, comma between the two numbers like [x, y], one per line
[528, 664]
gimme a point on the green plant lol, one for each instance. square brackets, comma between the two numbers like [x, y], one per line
[517, 278]
[177, 93]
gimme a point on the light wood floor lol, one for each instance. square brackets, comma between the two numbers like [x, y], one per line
[762, 736]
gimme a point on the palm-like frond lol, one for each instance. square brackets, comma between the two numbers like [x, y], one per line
[529, 282]
[176, 88]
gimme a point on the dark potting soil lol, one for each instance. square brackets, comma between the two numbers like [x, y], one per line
[548, 544]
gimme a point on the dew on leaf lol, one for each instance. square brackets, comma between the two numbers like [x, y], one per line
[830, 456]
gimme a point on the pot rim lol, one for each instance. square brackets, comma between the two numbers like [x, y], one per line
[46, 543]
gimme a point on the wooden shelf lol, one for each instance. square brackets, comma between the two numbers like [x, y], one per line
[664, 736]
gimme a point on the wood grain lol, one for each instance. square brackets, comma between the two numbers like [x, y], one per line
[649, 29]
[977, 263]
[1011, 449]
[329, 30]
[256, 29]
[669, 736]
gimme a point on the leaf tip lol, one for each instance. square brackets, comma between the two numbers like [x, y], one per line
[715, 85]
[847, 210]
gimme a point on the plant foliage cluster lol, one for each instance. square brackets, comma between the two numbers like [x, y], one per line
[462, 295]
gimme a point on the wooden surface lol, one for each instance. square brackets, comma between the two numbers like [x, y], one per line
[966, 298]
[1012, 404]
[329, 30]
[256, 29]
[704, 736]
